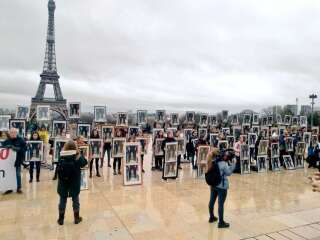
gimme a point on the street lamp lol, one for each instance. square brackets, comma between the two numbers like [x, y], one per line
[312, 97]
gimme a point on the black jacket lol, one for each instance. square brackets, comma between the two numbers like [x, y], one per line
[19, 146]
[190, 148]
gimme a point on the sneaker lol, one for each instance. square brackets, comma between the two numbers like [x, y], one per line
[223, 225]
[213, 219]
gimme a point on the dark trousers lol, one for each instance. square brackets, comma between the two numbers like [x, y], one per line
[38, 164]
[115, 161]
[18, 176]
[106, 149]
[158, 162]
[97, 165]
[191, 156]
[179, 160]
[221, 194]
[75, 204]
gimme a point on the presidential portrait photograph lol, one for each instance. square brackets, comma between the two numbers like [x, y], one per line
[107, 133]
[74, 110]
[34, 151]
[100, 114]
[43, 113]
[59, 128]
[118, 147]
[122, 119]
[22, 112]
[84, 130]
[96, 146]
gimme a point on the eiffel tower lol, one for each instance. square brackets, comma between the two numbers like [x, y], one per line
[49, 74]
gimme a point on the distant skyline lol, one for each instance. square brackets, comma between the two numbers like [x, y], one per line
[205, 55]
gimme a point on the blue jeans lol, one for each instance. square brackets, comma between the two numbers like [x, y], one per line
[75, 204]
[222, 196]
[18, 176]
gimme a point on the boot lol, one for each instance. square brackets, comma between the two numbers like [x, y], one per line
[98, 174]
[61, 218]
[30, 180]
[77, 218]
[213, 219]
[38, 177]
[223, 224]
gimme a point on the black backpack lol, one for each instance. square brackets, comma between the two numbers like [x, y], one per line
[213, 176]
[66, 170]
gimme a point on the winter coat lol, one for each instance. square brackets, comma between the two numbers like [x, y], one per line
[19, 146]
[72, 188]
[225, 171]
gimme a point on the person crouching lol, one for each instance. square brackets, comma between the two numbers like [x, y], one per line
[69, 178]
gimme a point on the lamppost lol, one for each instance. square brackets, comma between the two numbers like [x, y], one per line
[312, 97]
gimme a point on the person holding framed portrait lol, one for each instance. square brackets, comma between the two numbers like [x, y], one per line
[35, 148]
[94, 135]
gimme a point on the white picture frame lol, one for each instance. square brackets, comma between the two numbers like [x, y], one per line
[275, 164]
[204, 120]
[142, 117]
[255, 119]
[19, 124]
[5, 122]
[59, 128]
[279, 119]
[270, 120]
[170, 167]
[202, 161]
[231, 141]
[160, 116]
[174, 119]
[100, 114]
[287, 120]
[157, 147]
[299, 161]
[107, 133]
[133, 131]
[34, 151]
[315, 130]
[190, 117]
[202, 133]
[245, 159]
[289, 144]
[303, 121]
[74, 110]
[262, 163]
[235, 120]
[43, 113]
[252, 139]
[84, 130]
[307, 138]
[84, 179]
[118, 147]
[22, 112]
[288, 162]
[57, 148]
[263, 147]
[132, 165]
[223, 145]
[143, 144]
[213, 120]
[275, 150]
[181, 146]
[246, 119]
[122, 119]
[96, 148]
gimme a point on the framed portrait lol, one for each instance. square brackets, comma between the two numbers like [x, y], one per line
[252, 139]
[244, 137]
[34, 151]
[133, 131]
[289, 144]
[288, 162]
[262, 163]
[231, 141]
[270, 120]
[107, 133]
[282, 129]
[307, 138]
[160, 116]
[173, 130]
[5, 122]
[275, 164]
[22, 112]
[213, 120]
[157, 148]
[301, 147]
[118, 147]
[225, 115]
[223, 145]
[57, 148]
[315, 130]
[74, 110]
[143, 144]
[96, 146]
[204, 120]
[225, 131]
[314, 140]
[156, 132]
[237, 131]
[100, 114]
[59, 128]
[170, 169]
[84, 179]
[295, 121]
[84, 130]
[122, 119]
[274, 131]
[214, 139]
[246, 119]
[202, 133]
[264, 121]
[235, 120]
[255, 129]
[142, 117]
[279, 119]
[264, 132]
[174, 119]
[202, 161]
[187, 133]
[255, 119]
[20, 125]
[132, 173]
[85, 151]
[275, 152]
[299, 161]
[303, 121]
[287, 120]
[181, 146]
[43, 113]
[190, 117]
[263, 147]
[246, 129]
[244, 159]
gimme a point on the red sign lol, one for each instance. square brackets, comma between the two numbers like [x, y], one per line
[4, 154]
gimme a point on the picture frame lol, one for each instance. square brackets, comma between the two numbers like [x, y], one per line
[275, 164]
[235, 120]
[156, 131]
[100, 114]
[289, 144]
[307, 138]
[174, 119]
[85, 151]
[244, 137]
[173, 130]
[223, 145]
[132, 164]
[246, 129]
[59, 128]
[118, 147]
[143, 144]
[142, 117]
[246, 119]
[287, 120]
[5, 122]
[57, 148]
[263, 147]
[84, 179]
[74, 110]
[214, 139]
[213, 121]
[255, 119]
[294, 121]
[181, 146]
[190, 117]
[252, 139]
[231, 141]
[301, 148]
[244, 159]
[122, 119]
[170, 169]
[255, 129]
[34, 151]
[282, 129]
[237, 131]
[19, 124]
[270, 120]
[315, 130]
[275, 150]
[107, 133]
[273, 131]
[202, 161]
[133, 131]
[287, 160]
[225, 131]
[202, 133]
[299, 161]
[264, 132]
[264, 121]
[262, 164]
[279, 119]
[84, 130]
[157, 148]
[160, 116]
[224, 115]
[43, 113]
[96, 148]
[303, 121]
[314, 140]
[204, 120]
[188, 133]
[22, 112]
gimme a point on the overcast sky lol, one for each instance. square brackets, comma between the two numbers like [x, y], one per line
[205, 55]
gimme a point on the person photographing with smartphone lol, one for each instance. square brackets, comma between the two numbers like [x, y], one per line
[221, 164]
